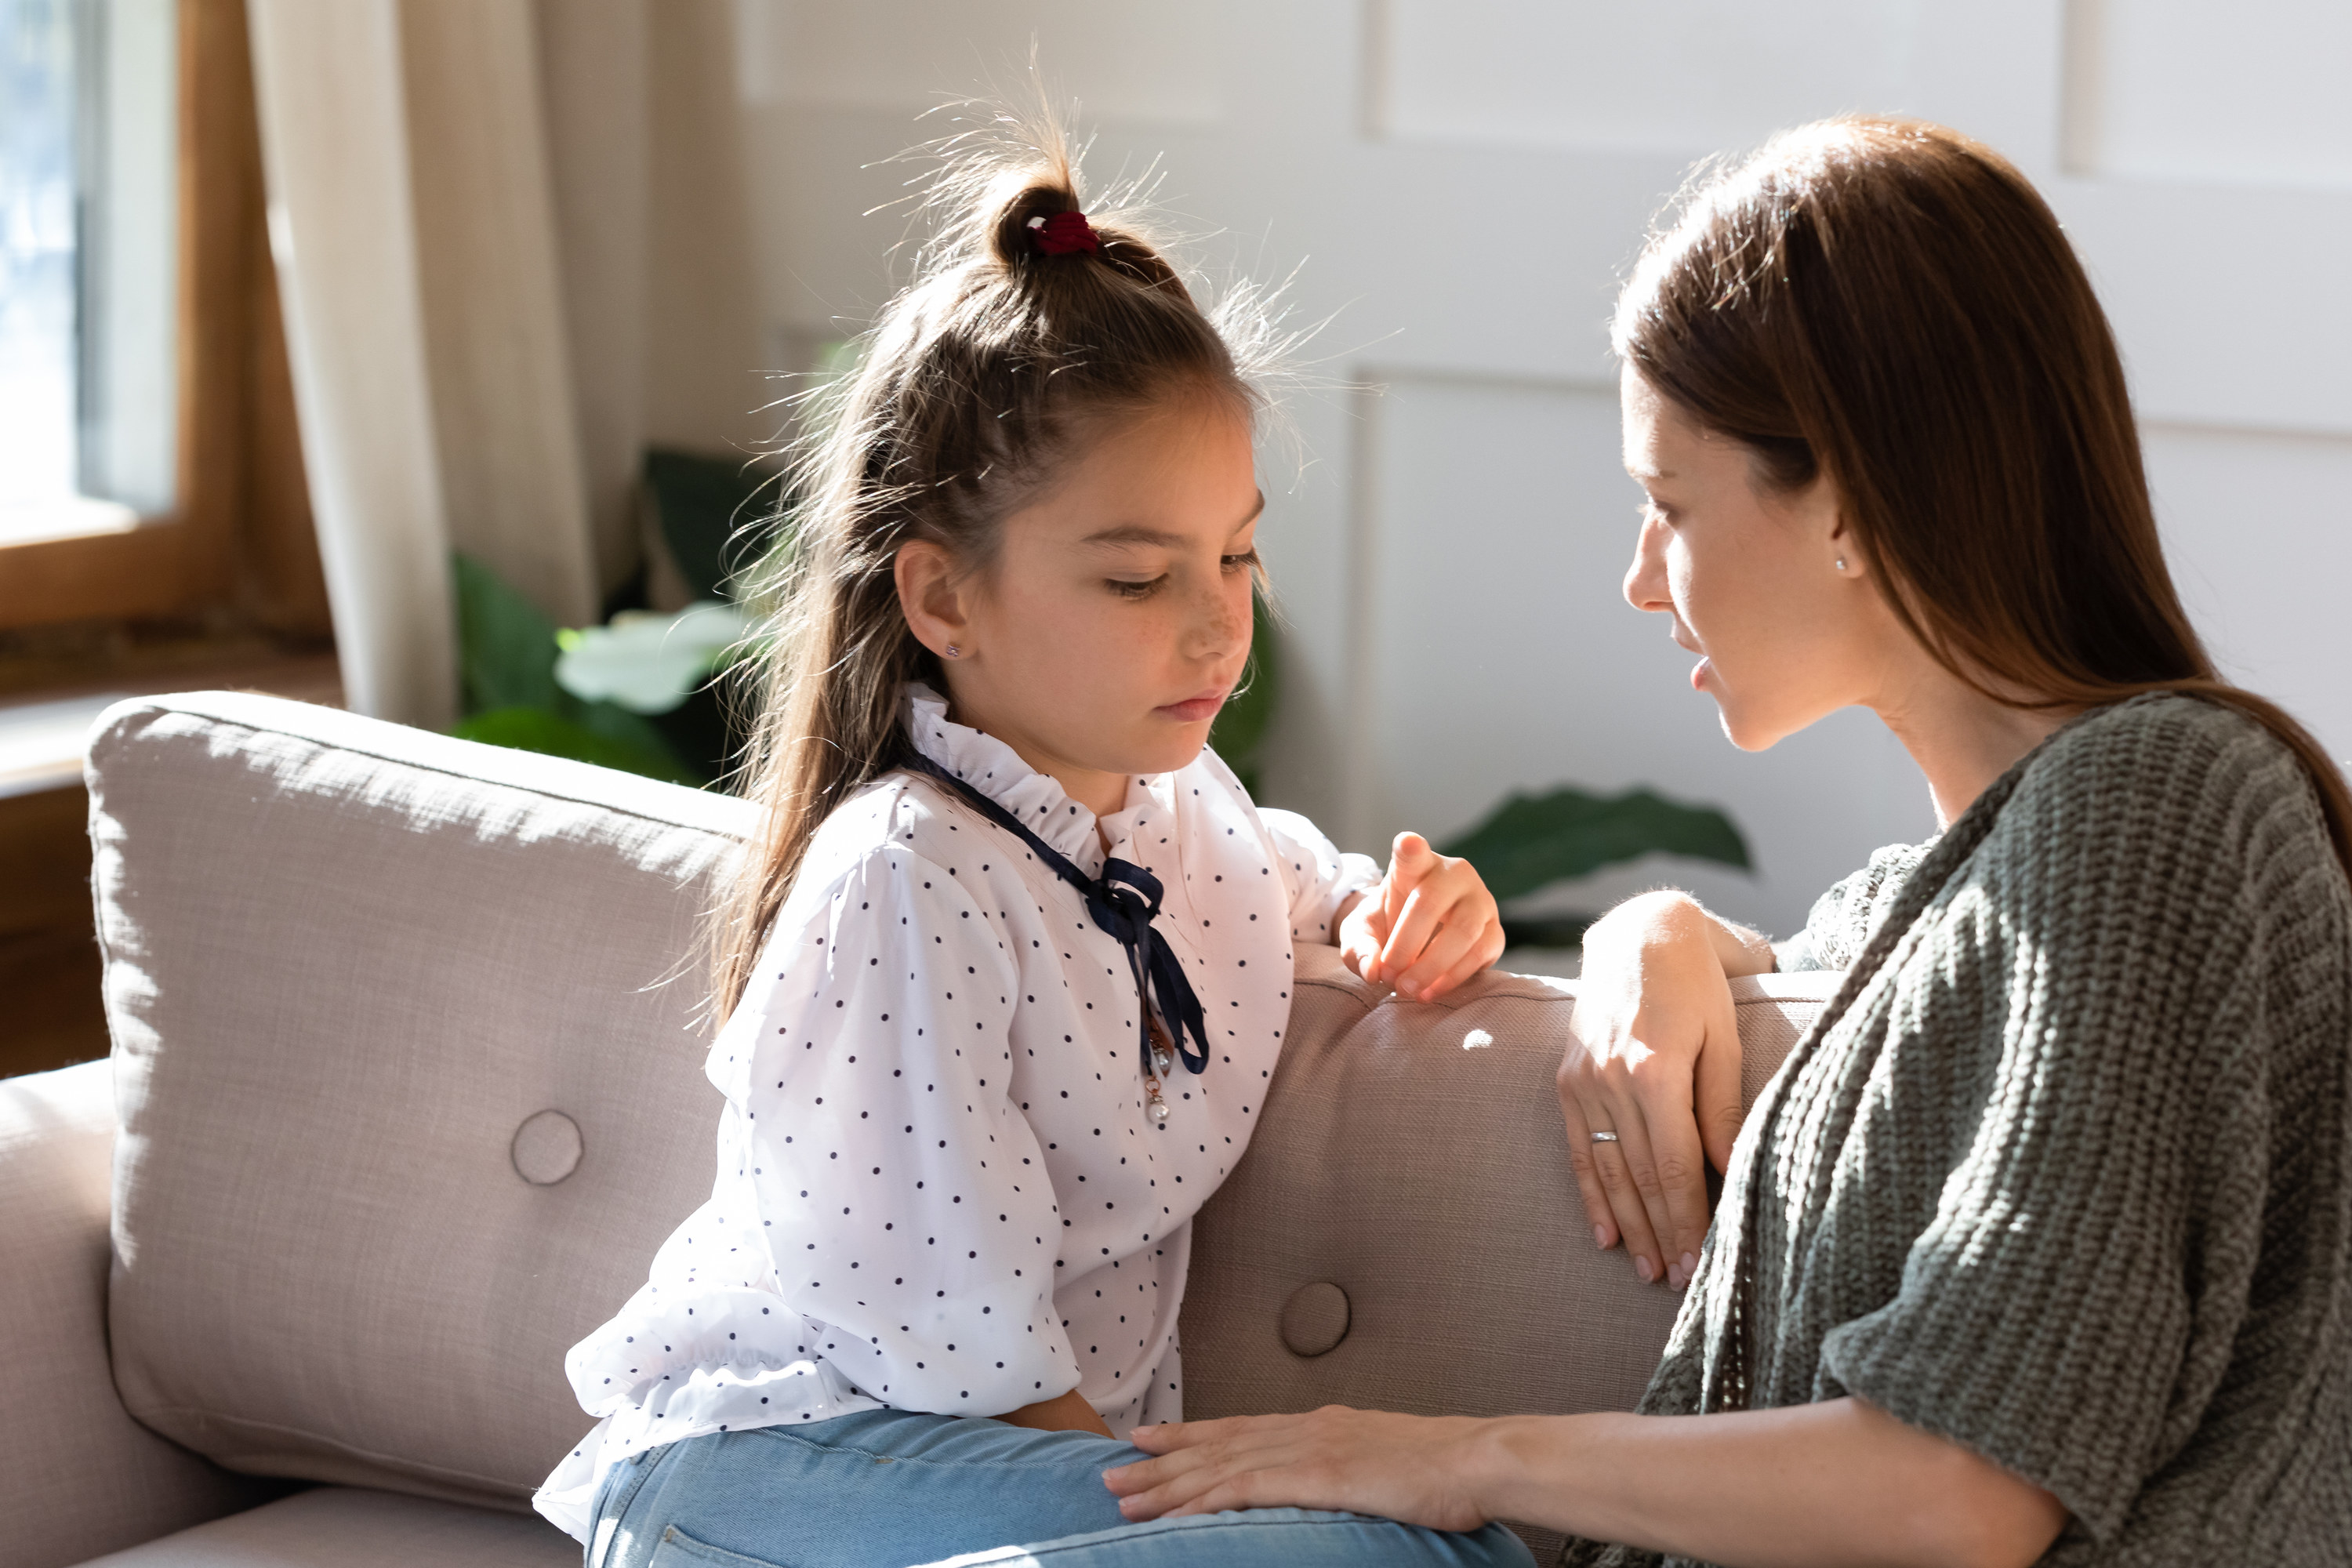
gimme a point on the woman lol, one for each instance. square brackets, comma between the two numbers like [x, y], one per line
[2036, 1247]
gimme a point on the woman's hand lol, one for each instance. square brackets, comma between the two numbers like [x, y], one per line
[1429, 924]
[1655, 1060]
[1402, 1466]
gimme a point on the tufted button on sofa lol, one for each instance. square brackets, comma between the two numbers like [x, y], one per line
[406, 1088]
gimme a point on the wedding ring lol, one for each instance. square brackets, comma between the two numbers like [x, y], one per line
[1604, 1138]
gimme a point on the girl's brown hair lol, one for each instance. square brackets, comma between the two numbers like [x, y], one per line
[973, 387]
[1892, 304]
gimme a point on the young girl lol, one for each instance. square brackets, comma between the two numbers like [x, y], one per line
[1009, 961]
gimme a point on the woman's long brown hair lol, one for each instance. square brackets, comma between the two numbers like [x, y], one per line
[1893, 304]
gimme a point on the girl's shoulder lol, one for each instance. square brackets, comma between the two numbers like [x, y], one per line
[890, 827]
[889, 814]
[882, 859]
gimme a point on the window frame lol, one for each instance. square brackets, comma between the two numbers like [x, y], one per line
[238, 535]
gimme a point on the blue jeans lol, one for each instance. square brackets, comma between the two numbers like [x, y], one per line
[891, 1489]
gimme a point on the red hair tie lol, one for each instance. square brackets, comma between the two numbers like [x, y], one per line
[1063, 233]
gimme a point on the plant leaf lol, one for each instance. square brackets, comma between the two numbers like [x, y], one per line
[506, 647]
[536, 730]
[1532, 841]
[646, 662]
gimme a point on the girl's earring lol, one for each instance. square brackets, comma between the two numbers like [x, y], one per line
[1841, 566]
[953, 651]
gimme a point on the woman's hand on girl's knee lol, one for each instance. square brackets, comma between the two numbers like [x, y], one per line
[1429, 924]
[1406, 1467]
[1654, 1061]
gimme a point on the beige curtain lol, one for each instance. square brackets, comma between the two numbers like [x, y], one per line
[335, 155]
[514, 247]
[496, 335]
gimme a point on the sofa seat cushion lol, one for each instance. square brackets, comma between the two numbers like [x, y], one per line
[351, 1527]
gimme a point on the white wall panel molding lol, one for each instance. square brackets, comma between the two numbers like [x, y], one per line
[1140, 60]
[2187, 91]
[1685, 77]
[2256, 525]
[2229, 303]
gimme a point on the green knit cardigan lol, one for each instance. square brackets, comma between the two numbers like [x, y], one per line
[2064, 1175]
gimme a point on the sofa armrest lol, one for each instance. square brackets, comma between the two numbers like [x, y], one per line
[83, 1478]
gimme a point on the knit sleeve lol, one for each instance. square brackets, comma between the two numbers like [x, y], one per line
[2088, 1079]
[1843, 918]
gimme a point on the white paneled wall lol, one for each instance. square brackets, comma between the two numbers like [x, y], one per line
[1145, 63]
[1686, 77]
[2222, 94]
[2258, 527]
[1500, 518]
[1465, 180]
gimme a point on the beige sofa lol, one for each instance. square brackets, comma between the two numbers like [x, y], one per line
[406, 1088]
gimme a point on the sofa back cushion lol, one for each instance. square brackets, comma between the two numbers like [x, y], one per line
[1406, 1233]
[350, 970]
[410, 1091]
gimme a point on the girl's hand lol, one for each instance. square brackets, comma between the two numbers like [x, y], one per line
[1654, 1060]
[1429, 924]
[1400, 1467]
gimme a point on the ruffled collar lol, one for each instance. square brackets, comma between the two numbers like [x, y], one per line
[1041, 803]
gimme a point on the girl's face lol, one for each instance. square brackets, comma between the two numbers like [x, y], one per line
[1115, 620]
[1750, 579]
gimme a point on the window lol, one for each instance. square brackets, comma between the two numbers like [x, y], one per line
[149, 466]
[89, 408]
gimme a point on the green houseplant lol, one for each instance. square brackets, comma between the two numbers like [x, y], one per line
[638, 692]
[1531, 841]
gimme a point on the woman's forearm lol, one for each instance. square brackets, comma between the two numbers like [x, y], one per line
[1817, 1485]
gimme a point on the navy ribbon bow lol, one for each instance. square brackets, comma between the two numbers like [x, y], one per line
[1124, 901]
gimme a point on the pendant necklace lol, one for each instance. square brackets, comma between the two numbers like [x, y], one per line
[1162, 1060]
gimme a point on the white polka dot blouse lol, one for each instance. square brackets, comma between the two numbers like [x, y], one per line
[940, 1186]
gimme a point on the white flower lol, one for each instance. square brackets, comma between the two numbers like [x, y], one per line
[645, 661]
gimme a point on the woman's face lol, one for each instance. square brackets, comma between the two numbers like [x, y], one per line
[1115, 619]
[1749, 578]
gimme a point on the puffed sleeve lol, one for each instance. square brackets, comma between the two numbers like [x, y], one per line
[902, 1195]
[1316, 875]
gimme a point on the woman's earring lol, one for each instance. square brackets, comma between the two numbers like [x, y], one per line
[953, 651]
[1841, 566]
